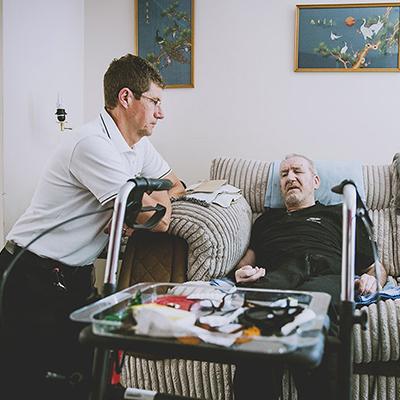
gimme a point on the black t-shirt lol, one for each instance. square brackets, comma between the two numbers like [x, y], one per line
[301, 246]
[302, 250]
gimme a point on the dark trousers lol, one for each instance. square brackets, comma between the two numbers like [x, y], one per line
[255, 381]
[37, 335]
[265, 383]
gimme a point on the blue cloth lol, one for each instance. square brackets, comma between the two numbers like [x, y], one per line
[389, 291]
[224, 285]
[331, 173]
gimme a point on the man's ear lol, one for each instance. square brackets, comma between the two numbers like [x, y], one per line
[316, 182]
[124, 97]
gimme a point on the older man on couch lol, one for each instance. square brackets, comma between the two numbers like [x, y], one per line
[300, 247]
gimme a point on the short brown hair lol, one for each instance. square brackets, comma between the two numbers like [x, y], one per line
[132, 72]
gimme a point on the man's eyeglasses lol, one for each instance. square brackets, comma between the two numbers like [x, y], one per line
[156, 102]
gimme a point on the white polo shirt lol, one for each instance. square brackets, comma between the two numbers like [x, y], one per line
[83, 175]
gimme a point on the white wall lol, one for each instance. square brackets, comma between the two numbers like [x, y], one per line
[1, 132]
[109, 34]
[42, 55]
[247, 99]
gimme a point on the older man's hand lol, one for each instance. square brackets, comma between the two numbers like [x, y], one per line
[366, 284]
[247, 274]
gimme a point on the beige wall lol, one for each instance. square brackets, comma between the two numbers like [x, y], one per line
[247, 99]
[1, 133]
[42, 55]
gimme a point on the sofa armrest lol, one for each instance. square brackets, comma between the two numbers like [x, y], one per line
[380, 340]
[217, 237]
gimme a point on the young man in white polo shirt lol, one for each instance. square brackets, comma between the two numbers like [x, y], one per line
[83, 176]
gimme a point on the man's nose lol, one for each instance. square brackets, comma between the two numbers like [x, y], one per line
[291, 176]
[159, 113]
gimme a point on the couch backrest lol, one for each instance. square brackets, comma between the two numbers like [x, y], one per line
[381, 184]
[249, 175]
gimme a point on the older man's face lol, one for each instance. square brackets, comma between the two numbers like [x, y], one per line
[297, 183]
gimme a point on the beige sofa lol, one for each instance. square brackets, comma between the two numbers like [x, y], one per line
[204, 243]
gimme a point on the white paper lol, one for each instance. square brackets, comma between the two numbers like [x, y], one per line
[305, 316]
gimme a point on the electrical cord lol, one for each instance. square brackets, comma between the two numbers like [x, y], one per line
[8, 270]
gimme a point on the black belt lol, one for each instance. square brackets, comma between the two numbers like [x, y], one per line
[38, 265]
[46, 263]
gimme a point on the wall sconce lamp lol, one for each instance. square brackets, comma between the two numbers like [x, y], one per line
[61, 113]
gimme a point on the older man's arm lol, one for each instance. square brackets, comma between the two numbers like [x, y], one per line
[367, 283]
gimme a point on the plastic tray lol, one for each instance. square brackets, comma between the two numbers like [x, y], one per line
[309, 334]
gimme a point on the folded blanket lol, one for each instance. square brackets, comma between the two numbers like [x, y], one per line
[389, 291]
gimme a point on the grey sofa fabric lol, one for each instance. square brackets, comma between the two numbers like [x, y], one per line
[218, 237]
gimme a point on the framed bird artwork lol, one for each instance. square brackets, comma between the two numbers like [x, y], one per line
[347, 37]
[165, 37]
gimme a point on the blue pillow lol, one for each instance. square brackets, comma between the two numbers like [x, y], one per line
[331, 173]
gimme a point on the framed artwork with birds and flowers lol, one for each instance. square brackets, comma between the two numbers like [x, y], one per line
[347, 37]
[165, 37]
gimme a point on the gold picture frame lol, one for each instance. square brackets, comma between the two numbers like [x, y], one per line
[347, 37]
[165, 37]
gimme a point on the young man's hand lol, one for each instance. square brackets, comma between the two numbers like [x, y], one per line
[125, 231]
